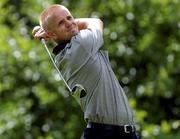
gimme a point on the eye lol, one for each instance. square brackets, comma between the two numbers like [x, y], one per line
[60, 22]
[69, 18]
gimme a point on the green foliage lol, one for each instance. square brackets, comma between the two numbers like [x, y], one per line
[142, 38]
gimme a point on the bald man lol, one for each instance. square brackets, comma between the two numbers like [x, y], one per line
[81, 61]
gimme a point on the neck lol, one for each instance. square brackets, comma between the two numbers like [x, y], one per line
[60, 47]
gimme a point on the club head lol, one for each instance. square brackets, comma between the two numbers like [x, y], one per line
[79, 91]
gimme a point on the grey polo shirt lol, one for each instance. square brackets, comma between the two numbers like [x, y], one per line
[81, 62]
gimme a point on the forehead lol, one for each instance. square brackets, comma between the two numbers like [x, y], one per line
[60, 13]
[54, 15]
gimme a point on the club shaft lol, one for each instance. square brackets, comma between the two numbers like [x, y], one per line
[44, 43]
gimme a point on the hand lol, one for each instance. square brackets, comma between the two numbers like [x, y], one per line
[81, 24]
[92, 23]
[39, 33]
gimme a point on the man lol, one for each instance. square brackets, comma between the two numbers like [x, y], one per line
[81, 61]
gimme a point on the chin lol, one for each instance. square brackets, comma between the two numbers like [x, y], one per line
[75, 31]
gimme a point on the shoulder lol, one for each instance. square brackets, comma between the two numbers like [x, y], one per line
[88, 39]
[88, 35]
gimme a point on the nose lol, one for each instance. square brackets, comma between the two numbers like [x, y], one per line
[68, 23]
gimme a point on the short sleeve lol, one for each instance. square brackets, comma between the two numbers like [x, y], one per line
[91, 40]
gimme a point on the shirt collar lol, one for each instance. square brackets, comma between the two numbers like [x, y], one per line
[59, 47]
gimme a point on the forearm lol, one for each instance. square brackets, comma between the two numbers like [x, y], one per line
[92, 23]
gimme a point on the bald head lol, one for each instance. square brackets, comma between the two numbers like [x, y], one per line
[58, 23]
[47, 16]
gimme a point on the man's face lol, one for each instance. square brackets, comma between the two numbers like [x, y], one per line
[63, 25]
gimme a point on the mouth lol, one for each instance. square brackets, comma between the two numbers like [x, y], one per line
[72, 30]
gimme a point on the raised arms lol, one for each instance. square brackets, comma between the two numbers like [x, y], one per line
[83, 23]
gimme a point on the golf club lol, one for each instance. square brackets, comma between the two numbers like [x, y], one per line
[78, 90]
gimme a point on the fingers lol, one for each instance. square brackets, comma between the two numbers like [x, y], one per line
[39, 33]
[35, 29]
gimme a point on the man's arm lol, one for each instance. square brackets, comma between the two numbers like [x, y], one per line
[92, 23]
[83, 23]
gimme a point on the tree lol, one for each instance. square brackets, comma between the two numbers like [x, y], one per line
[142, 38]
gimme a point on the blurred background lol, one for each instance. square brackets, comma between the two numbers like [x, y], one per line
[143, 40]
